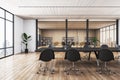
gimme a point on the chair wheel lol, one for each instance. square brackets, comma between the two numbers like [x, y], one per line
[67, 73]
[38, 72]
[81, 72]
[52, 72]
[114, 72]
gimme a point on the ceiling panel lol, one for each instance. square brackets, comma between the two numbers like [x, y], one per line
[68, 11]
[69, 2]
[63, 8]
[54, 2]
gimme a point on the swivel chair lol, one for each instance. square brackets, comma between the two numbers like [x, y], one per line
[104, 46]
[105, 56]
[46, 56]
[73, 56]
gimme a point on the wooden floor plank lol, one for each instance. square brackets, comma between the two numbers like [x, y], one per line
[25, 66]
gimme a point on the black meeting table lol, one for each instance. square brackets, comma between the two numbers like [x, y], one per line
[80, 49]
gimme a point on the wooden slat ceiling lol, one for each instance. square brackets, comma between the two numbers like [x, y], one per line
[87, 9]
[73, 24]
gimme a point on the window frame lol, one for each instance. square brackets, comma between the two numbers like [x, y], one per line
[5, 20]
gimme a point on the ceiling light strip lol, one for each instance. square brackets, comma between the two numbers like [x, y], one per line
[69, 6]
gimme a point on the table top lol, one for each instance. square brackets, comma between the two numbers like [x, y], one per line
[80, 49]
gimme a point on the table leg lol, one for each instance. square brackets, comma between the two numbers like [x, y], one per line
[89, 56]
[96, 54]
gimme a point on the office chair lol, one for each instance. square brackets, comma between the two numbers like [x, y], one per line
[86, 46]
[105, 56]
[46, 56]
[73, 56]
[104, 46]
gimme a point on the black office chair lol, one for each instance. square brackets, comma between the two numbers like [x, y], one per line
[104, 46]
[73, 56]
[86, 46]
[105, 56]
[46, 56]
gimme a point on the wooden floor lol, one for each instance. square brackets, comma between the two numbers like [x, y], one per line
[25, 66]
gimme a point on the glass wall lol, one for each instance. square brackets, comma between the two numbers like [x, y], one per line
[108, 35]
[51, 34]
[102, 32]
[99, 32]
[76, 32]
[6, 33]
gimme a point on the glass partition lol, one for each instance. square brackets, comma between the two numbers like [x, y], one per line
[108, 35]
[51, 34]
[102, 32]
[76, 33]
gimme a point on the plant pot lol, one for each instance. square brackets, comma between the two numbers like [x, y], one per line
[26, 50]
[95, 44]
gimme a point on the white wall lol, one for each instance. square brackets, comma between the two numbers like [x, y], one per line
[29, 27]
[18, 30]
[21, 26]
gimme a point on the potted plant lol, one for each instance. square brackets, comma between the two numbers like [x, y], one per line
[26, 38]
[95, 40]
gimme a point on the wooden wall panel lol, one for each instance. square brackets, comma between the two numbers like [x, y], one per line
[57, 35]
[73, 24]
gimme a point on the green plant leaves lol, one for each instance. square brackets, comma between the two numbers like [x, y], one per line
[25, 39]
[29, 36]
[25, 36]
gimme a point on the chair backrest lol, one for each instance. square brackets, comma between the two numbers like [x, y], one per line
[47, 55]
[106, 55]
[86, 46]
[73, 55]
[63, 43]
[104, 46]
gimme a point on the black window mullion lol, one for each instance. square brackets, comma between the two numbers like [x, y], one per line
[117, 31]
[87, 30]
[9, 20]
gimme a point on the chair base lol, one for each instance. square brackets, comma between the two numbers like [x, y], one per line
[44, 70]
[73, 69]
[104, 69]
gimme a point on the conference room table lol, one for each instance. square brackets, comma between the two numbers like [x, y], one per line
[80, 49]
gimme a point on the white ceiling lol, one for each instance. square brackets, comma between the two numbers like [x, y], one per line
[61, 9]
